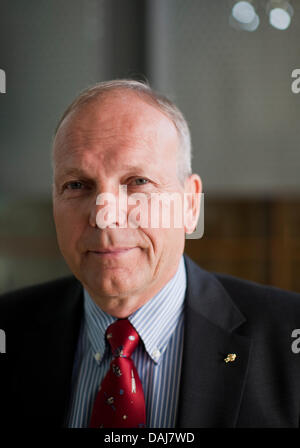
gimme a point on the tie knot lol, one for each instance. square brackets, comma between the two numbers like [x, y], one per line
[122, 337]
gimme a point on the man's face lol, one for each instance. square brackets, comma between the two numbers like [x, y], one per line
[118, 140]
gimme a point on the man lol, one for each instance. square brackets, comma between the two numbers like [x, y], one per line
[213, 350]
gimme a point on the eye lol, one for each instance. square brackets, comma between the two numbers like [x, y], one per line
[141, 181]
[74, 185]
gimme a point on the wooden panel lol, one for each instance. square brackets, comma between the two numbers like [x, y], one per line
[255, 239]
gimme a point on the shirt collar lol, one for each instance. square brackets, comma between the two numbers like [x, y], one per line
[155, 321]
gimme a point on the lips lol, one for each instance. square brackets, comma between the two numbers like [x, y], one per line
[112, 250]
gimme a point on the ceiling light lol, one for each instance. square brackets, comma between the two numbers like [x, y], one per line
[243, 16]
[243, 12]
[280, 14]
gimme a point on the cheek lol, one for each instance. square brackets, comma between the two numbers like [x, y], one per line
[163, 242]
[69, 226]
[165, 226]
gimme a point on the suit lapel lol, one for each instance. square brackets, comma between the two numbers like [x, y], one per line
[211, 389]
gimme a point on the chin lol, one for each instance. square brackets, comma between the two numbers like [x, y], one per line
[110, 286]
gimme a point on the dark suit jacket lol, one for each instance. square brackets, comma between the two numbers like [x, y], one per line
[261, 388]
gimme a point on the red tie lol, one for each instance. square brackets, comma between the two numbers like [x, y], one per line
[120, 400]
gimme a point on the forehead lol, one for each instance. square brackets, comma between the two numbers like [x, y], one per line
[118, 123]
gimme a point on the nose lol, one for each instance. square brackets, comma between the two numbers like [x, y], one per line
[109, 210]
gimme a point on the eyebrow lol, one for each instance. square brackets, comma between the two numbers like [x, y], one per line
[75, 172]
[72, 172]
[132, 168]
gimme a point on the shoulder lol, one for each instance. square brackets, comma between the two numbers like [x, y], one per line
[257, 302]
[37, 292]
[263, 302]
[242, 289]
[44, 297]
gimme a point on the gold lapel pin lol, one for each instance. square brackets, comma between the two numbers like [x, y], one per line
[230, 357]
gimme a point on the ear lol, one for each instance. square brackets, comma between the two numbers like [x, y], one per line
[192, 198]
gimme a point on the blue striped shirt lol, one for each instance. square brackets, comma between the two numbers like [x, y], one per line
[157, 358]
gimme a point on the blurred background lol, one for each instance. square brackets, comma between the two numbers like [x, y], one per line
[224, 64]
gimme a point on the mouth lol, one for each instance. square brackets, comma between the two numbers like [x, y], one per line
[113, 251]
